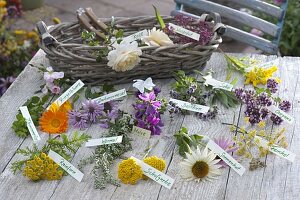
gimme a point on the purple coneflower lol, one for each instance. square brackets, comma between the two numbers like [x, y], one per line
[227, 145]
[92, 109]
[78, 120]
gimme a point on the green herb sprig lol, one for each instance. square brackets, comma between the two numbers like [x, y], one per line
[62, 144]
[186, 141]
[105, 155]
[35, 106]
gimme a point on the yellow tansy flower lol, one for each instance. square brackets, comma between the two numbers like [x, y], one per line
[42, 167]
[129, 172]
[157, 163]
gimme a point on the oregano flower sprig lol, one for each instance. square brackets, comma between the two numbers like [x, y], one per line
[257, 102]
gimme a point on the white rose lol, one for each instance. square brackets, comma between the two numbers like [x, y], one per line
[157, 38]
[124, 57]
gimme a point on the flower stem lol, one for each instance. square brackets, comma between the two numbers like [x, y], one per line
[150, 149]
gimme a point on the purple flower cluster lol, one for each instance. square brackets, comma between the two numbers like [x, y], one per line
[5, 83]
[200, 27]
[148, 115]
[272, 85]
[285, 106]
[93, 112]
[257, 103]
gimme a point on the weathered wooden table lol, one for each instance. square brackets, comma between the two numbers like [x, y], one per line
[279, 180]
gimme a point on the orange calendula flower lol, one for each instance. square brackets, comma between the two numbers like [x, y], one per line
[53, 122]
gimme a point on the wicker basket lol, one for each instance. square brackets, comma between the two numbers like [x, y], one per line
[76, 59]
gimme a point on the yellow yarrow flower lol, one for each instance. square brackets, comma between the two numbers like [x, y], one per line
[246, 119]
[42, 167]
[259, 75]
[157, 163]
[129, 172]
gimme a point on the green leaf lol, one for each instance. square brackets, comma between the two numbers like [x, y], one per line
[234, 81]
[108, 88]
[159, 18]
[120, 33]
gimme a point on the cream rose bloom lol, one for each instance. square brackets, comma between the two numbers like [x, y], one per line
[124, 57]
[157, 38]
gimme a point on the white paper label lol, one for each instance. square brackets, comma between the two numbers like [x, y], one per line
[68, 167]
[264, 65]
[184, 31]
[269, 63]
[189, 106]
[219, 84]
[141, 132]
[155, 174]
[136, 36]
[103, 141]
[289, 119]
[228, 159]
[111, 96]
[69, 93]
[276, 149]
[30, 125]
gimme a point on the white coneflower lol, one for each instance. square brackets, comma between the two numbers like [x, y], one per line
[200, 166]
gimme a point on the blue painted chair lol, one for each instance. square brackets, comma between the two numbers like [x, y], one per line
[235, 15]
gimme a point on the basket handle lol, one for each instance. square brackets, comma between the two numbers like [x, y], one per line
[47, 38]
[219, 27]
[84, 22]
[89, 12]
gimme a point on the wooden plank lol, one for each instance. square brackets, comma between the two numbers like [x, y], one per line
[291, 182]
[233, 14]
[150, 189]
[249, 185]
[278, 174]
[261, 6]
[23, 88]
[209, 190]
[85, 189]
[253, 40]
[9, 183]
